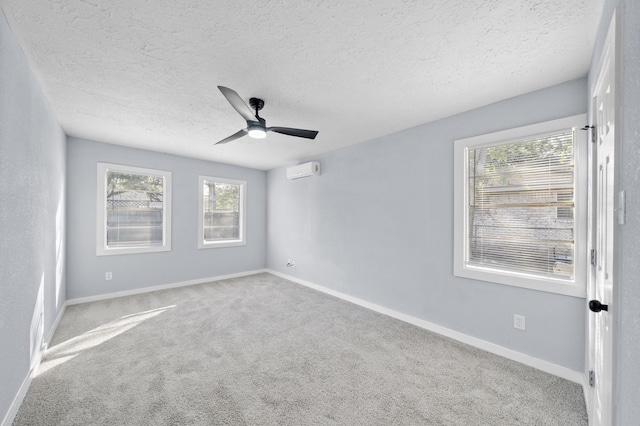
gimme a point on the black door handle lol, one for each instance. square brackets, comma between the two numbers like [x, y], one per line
[596, 306]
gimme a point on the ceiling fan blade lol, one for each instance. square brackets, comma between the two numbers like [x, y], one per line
[237, 103]
[233, 137]
[301, 133]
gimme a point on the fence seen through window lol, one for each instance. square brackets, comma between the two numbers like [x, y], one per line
[134, 209]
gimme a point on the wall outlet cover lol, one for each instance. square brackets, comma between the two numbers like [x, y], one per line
[519, 322]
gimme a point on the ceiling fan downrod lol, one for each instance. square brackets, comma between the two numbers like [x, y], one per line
[257, 104]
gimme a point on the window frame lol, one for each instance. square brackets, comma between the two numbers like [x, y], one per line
[202, 244]
[101, 209]
[572, 287]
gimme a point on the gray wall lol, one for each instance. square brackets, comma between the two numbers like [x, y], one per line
[626, 309]
[378, 225]
[32, 216]
[85, 275]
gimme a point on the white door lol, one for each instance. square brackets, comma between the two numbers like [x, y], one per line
[602, 281]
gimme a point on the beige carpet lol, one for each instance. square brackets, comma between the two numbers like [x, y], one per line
[261, 350]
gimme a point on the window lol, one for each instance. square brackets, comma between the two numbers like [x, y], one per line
[133, 210]
[519, 207]
[221, 217]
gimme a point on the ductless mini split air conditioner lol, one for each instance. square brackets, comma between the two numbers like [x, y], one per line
[311, 168]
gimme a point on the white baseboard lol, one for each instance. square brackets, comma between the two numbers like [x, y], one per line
[54, 327]
[22, 392]
[143, 290]
[17, 401]
[546, 366]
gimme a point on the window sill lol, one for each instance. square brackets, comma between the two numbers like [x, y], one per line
[531, 282]
[131, 250]
[221, 244]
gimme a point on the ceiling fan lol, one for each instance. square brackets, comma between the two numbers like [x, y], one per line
[256, 125]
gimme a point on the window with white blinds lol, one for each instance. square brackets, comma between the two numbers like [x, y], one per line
[516, 193]
[133, 210]
[517, 201]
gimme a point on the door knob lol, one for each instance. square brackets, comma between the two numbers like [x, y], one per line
[596, 306]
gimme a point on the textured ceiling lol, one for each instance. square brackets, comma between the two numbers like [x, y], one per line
[143, 73]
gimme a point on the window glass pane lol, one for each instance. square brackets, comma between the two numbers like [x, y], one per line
[521, 206]
[134, 209]
[221, 204]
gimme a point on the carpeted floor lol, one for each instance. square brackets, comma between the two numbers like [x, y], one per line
[261, 350]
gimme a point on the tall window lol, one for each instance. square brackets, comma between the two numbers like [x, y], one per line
[221, 217]
[518, 207]
[134, 210]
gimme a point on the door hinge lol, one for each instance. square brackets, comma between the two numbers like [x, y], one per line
[593, 132]
[592, 378]
[594, 257]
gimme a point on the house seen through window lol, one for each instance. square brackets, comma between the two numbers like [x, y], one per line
[518, 207]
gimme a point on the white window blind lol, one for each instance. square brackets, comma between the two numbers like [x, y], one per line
[521, 206]
[133, 210]
[135, 215]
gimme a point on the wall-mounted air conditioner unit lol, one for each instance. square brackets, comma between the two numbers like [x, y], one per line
[303, 170]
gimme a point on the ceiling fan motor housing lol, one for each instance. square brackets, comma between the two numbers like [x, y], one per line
[256, 130]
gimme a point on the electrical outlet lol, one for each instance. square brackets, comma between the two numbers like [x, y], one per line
[108, 276]
[291, 263]
[519, 322]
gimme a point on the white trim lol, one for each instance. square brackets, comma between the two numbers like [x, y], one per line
[22, 392]
[576, 287]
[101, 217]
[202, 244]
[540, 364]
[54, 327]
[143, 290]
[586, 389]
